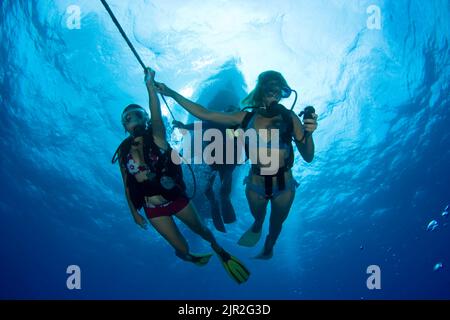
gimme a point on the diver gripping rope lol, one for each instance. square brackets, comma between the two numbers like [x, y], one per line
[130, 45]
[124, 35]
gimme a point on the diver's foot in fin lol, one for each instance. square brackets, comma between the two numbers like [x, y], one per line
[197, 259]
[216, 217]
[235, 268]
[249, 238]
[265, 255]
[228, 213]
[201, 259]
[267, 252]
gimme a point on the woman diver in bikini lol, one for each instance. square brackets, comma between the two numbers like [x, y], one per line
[154, 182]
[279, 188]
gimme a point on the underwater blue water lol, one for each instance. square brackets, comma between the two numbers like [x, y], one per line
[381, 172]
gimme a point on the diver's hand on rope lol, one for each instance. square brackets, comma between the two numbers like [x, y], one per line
[163, 89]
[140, 220]
[149, 77]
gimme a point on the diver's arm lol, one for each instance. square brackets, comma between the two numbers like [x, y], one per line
[306, 148]
[135, 214]
[303, 138]
[127, 192]
[158, 128]
[228, 119]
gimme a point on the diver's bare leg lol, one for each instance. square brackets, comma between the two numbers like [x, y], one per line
[209, 192]
[189, 216]
[169, 230]
[280, 207]
[228, 212]
[214, 205]
[258, 208]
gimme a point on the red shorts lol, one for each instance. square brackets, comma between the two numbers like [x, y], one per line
[167, 209]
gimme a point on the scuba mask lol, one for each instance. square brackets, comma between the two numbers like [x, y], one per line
[278, 91]
[275, 89]
[137, 117]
